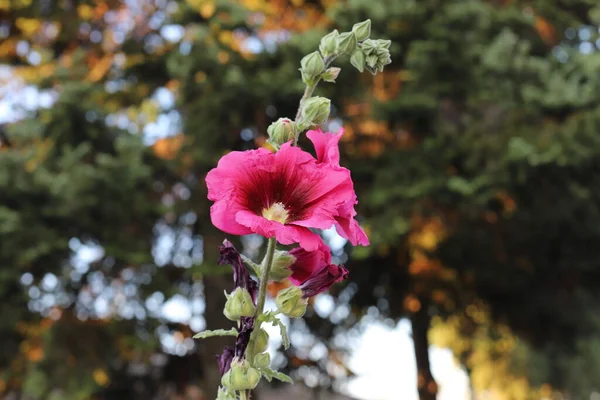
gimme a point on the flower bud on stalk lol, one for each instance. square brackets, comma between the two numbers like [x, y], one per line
[239, 304]
[329, 44]
[312, 66]
[358, 60]
[369, 46]
[331, 74]
[259, 342]
[281, 131]
[315, 111]
[384, 44]
[362, 30]
[281, 265]
[372, 60]
[347, 42]
[241, 376]
[371, 63]
[290, 302]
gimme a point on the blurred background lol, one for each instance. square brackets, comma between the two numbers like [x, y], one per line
[475, 155]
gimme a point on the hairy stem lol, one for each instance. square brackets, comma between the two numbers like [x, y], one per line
[308, 91]
[262, 295]
[264, 276]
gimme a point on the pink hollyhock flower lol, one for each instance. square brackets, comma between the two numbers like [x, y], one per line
[313, 271]
[326, 146]
[278, 195]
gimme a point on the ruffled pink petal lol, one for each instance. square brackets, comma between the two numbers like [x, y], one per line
[222, 215]
[328, 193]
[351, 230]
[285, 234]
[231, 168]
[308, 262]
[326, 145]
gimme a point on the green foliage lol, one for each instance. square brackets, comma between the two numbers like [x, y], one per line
[483, 135]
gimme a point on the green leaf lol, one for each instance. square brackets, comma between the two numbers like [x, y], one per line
[272, 319]
[217, 332]
[269, 374]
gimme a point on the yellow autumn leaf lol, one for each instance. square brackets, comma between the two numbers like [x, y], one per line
[101, 68]
[85, 11]
[168, 148]
[100, 377]
[29, 26]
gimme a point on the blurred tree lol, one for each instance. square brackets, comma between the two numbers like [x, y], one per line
[474, 156]
[478, 169]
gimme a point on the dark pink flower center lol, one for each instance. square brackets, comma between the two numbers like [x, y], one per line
[279, 195]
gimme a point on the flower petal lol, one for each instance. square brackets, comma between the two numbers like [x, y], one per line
[326, 146]
[323, 279]
[241, 278]
[308, 262]
[222, 215]
[347, 227]
[285, 234]
[224, 359]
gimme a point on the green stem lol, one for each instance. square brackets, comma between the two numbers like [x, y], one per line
[262, 289]
[308, 91]
[264, 276]
[243, 395]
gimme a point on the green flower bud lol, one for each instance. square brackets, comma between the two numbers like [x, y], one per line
[282, 260]
[384, 44]
[281, 131]
[369, 46]
[372, 60]
[347, 42]
[331, 74]
[290, 302]
[381, 52]
[239, 304]
[241, 376]
[358, 60]
[382, 62]
[315, 111]
[262, 360]
[362, 30]
[312, 66]
[259, 342]
[329, 44]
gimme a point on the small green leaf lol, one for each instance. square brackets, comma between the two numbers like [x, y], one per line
[269, 374]
[217, 332]
[273, 320]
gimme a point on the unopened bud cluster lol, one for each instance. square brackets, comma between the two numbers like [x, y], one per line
[372, 55]
[365, 53]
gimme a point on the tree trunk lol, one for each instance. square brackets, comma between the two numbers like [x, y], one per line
[420, 327]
